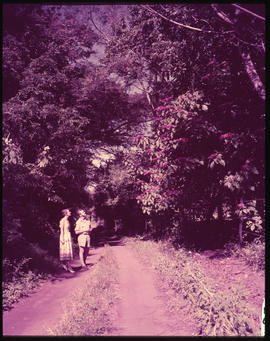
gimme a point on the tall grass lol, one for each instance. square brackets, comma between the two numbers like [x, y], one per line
[217, 313]
[90, 310]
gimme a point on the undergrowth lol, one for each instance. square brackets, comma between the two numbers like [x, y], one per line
[18, 282]
[217, 313]
[90, 310]
[252, 253]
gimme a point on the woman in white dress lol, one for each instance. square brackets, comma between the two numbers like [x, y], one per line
[65, 241]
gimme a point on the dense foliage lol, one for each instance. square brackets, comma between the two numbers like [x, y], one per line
[189, 142]
[205, 83]
[58, 108]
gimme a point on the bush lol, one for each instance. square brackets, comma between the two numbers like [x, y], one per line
[252, 253]
[17, 282]
[13, 269]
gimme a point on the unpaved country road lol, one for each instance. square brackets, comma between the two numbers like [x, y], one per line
[141, 304]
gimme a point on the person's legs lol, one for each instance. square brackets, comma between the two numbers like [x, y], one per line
[86, 251]
[64, 264]
[81, 254]
[69, 267]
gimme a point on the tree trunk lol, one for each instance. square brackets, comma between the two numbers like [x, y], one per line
[252, 73]
[249, 66]
[240, 233]
[240, 230]
[220, 211]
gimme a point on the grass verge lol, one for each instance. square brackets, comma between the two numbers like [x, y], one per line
[217, 313]
[90, 310]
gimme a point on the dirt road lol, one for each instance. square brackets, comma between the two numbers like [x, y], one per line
[141, 304]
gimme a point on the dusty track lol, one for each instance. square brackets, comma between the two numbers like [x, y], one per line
[141, 305]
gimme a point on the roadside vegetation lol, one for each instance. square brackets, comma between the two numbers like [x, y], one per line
[18, 281]
[252, 253]
[90, 309]
[225, 313]
[21, 275]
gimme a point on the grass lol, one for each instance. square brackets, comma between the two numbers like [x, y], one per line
[90, 311]
[217, 313]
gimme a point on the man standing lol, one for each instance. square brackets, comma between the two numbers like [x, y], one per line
[82, 229]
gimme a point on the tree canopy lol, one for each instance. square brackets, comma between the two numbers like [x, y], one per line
[176, 92]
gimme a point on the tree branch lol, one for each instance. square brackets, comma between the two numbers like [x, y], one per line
[103, 34]
[250, 44]
[246, 10]
[174, 22]
[221, 14]
[252, 73]
[263, 46]
[147, 95]
[248, 64]
[113, 130]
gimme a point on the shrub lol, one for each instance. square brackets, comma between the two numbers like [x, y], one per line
[18, 280]
[252, 253]
[21, 284]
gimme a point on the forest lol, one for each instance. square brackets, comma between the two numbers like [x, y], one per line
[152, 113]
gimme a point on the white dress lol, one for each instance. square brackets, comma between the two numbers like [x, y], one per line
[65, 248]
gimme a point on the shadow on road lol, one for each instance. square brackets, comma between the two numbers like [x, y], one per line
[215, 254]
[111, 239]
[93, 257]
